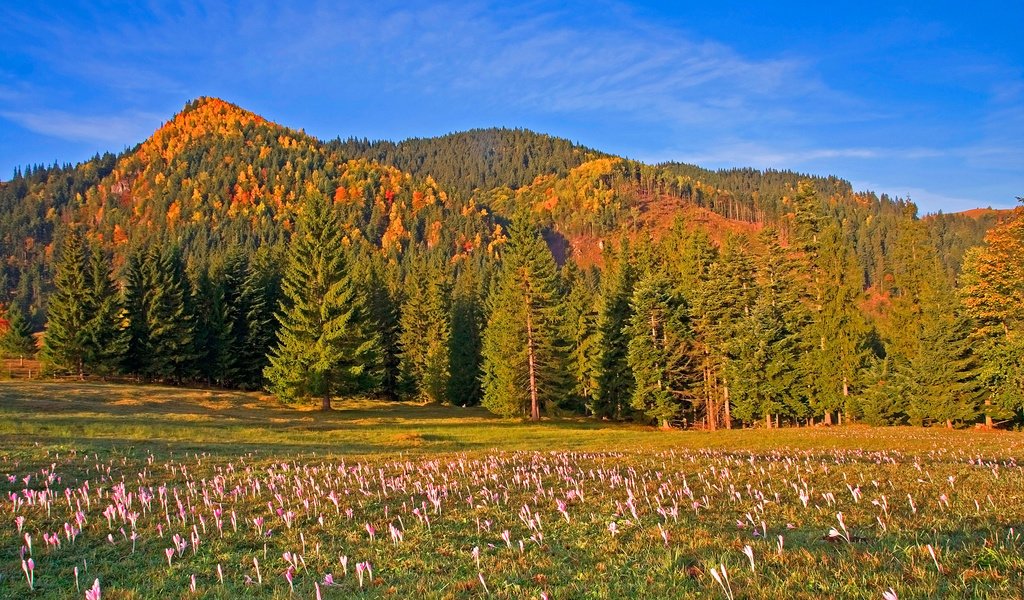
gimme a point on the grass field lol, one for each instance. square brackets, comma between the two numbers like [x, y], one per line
[166, 493]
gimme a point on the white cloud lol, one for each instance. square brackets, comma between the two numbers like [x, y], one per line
[107, 129]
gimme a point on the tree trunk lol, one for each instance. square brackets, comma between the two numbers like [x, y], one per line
[768, 421]
[828, 418]
[532, 359]
[325, 403]
[949, 423]
[988, 415]
[728, 411]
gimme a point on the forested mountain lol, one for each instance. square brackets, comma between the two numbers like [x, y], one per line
[462, 269]
[479, 159]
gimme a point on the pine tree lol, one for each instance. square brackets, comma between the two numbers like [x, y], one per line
[660, 353]
[763, 359]
[212, 342]
[66, 339]
[260, 297]
[323, 347]
[723, 299]
[465, 343]
[135, 300]
[835, 335]
[106, 326]
[613, 380]
[523, 360]
[17, 341]
[580, 319]
[425, 335]
[378, 284]
[170, 324]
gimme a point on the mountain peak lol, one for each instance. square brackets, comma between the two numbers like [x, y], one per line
[201, 117]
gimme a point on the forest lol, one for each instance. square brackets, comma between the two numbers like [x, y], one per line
[513, 270]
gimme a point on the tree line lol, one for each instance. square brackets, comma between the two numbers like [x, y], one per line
[681, 331]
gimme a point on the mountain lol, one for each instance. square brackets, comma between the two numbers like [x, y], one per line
[217, 177]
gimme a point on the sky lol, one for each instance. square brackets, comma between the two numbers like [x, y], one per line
[914, 99]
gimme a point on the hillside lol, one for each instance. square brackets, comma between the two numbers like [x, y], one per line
[216, 177]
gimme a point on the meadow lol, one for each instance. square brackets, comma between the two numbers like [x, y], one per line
[153, 492]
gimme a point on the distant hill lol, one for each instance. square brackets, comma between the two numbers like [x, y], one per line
[216, 177]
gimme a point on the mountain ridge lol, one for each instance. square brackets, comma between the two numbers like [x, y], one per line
[216, 175]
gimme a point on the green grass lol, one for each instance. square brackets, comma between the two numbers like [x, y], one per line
[237, 452]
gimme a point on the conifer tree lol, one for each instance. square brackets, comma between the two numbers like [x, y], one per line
[234, 315]
[17, 340]
[135, 300]
[260, 297]
[723, 299]
[212, 343]
[465, 342]
[660, 353]
[834, 338]
[106, 326]
[66, 339]
[941, 375]
[323, 345]
[613, 380]
[170, 326]
[762, 366]
[383, 300]
[523, 359]
[425, 335]
[580, 320]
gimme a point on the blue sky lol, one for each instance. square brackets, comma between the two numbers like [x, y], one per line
[910, 101]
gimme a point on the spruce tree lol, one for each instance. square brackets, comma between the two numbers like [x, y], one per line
[834, 338]
[235, 328]
[106, 326]
[722, 300]
[65, 343]
[580, 320]
[660, 353]
[323, 346]
[613, 379]
[135, 300]
[260, 297]
[212, 342]
[465, 342]
[379, 285]
[17, 341]
[942, 372]
[169, 320]
[763, 359]
[523, 359]
[426, 333]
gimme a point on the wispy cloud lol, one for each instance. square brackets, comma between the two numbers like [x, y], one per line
[928, 200]
[786, 154]
[898, 100]
[107, 129]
